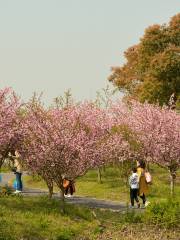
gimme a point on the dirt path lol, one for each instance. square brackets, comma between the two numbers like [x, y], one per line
[86, 201]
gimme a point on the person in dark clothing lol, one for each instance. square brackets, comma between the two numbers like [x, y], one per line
[134, 187]
[69, 187]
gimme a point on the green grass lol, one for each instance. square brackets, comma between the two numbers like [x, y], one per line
[113, 187]
[40, 218]
[4, 169]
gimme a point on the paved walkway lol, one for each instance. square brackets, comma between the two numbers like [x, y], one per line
[86, 201]
[6, 177]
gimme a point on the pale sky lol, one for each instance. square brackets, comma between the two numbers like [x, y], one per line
[53, 45]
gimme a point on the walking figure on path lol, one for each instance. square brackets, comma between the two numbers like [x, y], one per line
[134, 187]
[143, 184]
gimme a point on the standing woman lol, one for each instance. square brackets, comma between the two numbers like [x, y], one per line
[17, 168]
[143, 185]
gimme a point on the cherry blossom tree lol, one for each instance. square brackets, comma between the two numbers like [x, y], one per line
[160, 134]
[157, 130]
[64, 141]
[10, 133]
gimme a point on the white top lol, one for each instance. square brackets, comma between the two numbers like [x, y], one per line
[134, 181]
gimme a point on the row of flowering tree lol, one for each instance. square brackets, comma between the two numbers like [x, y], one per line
[71, 139]
[156, 131]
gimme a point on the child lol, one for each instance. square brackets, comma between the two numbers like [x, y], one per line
[69, 187]
[134, 187]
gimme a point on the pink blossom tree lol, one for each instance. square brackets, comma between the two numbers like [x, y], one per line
[10, 120]
[160, 133]
[157, 130]
[64, 141]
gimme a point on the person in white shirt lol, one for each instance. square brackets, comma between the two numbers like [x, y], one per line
[134, 187]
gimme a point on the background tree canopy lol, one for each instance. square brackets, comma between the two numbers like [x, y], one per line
[152, 70]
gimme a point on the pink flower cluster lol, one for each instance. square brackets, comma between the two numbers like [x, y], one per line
[9, 122]
[157, 130]
[70, 140]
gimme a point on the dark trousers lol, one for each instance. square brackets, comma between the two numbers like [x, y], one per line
[143, 197]
[134, 195]
[19, 181]
[69, 189]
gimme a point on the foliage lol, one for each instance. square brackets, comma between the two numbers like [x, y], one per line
[63, 101]
[10, 133]
[69, 140]
[63, 141]
[156, 129]
[5, 190]
[152, 70]
[165, 213]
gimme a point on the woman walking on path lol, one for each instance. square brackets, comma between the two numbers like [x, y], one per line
[143, 185]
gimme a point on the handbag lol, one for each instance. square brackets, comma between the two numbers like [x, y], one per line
[66, 183]
[148, 177]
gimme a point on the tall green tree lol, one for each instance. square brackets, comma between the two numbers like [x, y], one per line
[152, 70]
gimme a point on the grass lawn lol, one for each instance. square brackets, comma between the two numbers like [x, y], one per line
[113, 187]
[39, 218]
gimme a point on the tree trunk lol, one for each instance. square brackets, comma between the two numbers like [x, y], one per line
[99, 175]
[49, 184]
[1, 163]
[104, 168]
[50, 188]
[62, 202]
[127, 200]
[148, 166]
[61, 188]
[172, 182]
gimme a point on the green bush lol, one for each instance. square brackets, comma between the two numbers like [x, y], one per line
[78, 212]
[5, 190]
[132, 217]
[67, 234]
[166, 213]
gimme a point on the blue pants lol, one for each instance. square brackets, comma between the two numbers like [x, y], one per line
[19, 181]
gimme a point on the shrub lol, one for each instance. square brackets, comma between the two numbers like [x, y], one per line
[132, 217]
[5, 190]
[165, 213]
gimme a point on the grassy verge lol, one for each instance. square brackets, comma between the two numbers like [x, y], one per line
[113, 187]
[40, 218]
[4, 169]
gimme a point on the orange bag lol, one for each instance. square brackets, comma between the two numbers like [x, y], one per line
[65, 183]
